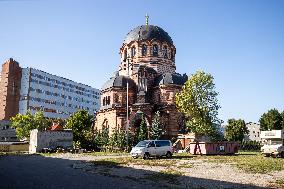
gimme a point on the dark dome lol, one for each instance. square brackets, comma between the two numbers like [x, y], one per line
[169, 78]
[118, 81]
[153, 32]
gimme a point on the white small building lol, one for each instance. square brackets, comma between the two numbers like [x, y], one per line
[44, 139]
[254, 132]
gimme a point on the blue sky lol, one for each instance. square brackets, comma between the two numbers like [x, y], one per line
[240, 42]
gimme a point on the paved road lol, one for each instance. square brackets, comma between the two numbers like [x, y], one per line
[38, 172]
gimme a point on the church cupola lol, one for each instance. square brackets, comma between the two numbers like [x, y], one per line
[147, 45]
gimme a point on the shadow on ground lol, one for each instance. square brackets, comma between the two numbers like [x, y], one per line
[37, 172]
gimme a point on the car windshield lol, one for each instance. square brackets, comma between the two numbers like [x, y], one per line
[273, 142]
[276, 142]
[142, 144]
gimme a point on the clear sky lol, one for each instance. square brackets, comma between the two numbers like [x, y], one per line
[240, 42]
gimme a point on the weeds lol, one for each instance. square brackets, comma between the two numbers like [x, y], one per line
[252, 162]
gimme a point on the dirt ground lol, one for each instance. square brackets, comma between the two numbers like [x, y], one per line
[173, 173]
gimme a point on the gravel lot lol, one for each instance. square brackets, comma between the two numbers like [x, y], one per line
[78, 171]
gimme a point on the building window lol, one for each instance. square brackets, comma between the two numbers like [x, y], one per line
[13, 88]
[165, 51]
[108, 100]
[125, 55]
[155, 50]
[144, 50]
[133, 52]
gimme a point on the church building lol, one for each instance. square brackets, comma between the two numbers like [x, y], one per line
[147, 57]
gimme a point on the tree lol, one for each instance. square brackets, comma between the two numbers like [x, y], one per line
[121, 139]
[282, 122]
[271, 120]
[156, 131]
[114, 138]
[142, 135]
[236, 130]
[102, 137]
[25, 123]
[81, 124]
[198, 101]
[117, 139]
[41, 123]
[217, 135]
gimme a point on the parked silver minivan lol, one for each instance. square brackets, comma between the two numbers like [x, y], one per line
[148, 148]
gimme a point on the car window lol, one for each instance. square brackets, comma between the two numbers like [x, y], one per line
[151, 144]
[162, 143]
[166, 143]
[142, 144]
[158, 143]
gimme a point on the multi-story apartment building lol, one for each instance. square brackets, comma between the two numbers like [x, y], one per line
[23, 89]
[254, 132]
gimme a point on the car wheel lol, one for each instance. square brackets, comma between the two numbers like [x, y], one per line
[169, 155]
[146, 156]
[282, 154]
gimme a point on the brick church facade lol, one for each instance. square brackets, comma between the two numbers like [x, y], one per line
[147, 58]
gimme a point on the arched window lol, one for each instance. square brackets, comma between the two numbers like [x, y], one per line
[108, 100]
[165, 51]
[104, 101]
[133, 52]
[144, 50]
[155, 50]
[125, 55]
[172, 54]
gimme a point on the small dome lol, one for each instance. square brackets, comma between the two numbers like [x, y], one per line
[169, 78]
[118, 81]
[149, 32]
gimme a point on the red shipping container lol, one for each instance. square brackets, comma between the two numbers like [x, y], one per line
[213, 148]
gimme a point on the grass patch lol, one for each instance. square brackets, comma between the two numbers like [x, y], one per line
[92, 154]
[252, 162]
[46, 154]
[155, 162]
[185, 165]
[277, 184]
[107, 153]
[2, 153]
[129, 160]
[280, 183]
[13, 153]
[115, 162]
[170, 175]
[108, 163]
